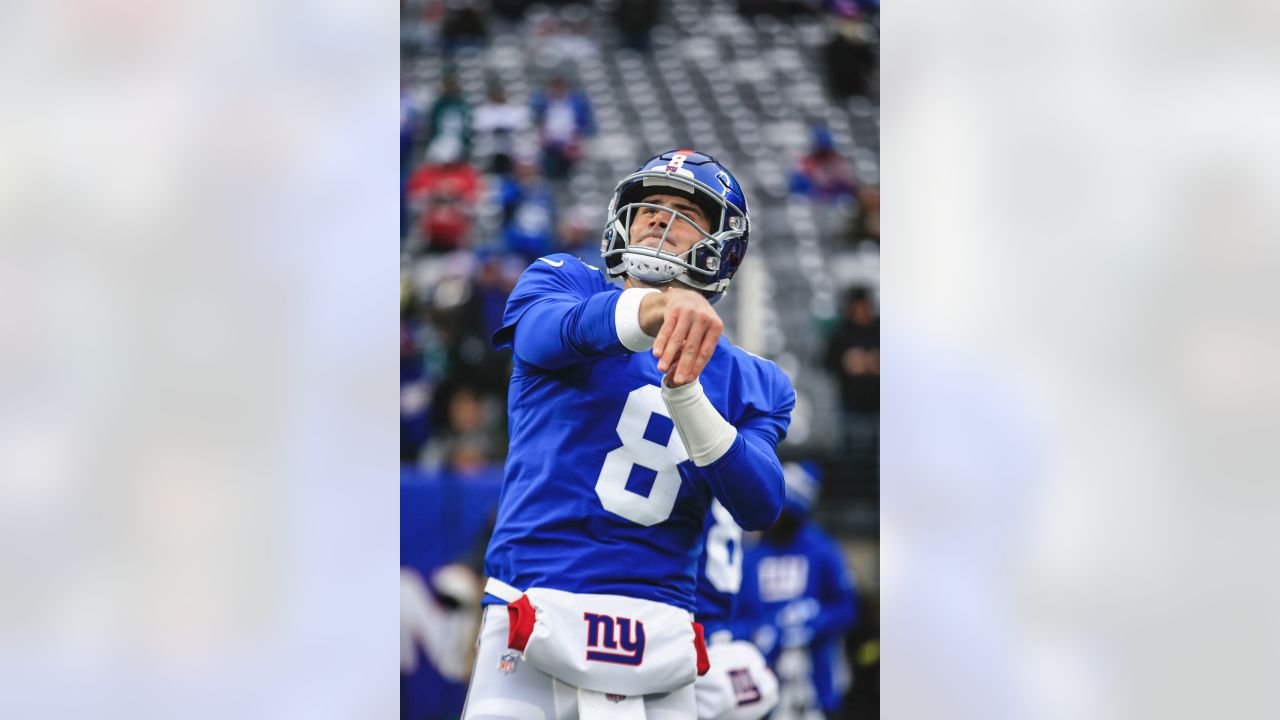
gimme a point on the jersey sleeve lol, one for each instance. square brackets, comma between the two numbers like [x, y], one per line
[747, 479]
[561, 312]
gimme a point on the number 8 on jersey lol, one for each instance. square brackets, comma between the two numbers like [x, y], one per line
[611, 486]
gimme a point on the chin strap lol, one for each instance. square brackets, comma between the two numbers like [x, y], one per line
[651, 269]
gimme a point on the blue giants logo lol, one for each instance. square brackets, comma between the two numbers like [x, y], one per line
[629, 639]
[723, 177]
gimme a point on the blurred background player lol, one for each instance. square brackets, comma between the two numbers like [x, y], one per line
[629, 413]
[797, 602]
[739, 685]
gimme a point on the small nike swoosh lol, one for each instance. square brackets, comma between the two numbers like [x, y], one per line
[552, 263]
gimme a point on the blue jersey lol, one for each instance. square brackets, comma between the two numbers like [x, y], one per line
[800, 594]
[599, 495]
[719, 571]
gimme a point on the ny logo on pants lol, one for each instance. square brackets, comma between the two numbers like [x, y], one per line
[745, 691]
[629, 639]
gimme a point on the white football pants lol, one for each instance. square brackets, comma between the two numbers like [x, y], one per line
[503, 689]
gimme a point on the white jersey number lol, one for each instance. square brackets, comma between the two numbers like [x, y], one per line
[724, 551]
[611, 486]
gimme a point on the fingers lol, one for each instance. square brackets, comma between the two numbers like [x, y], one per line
[689, 350]
[664, 334]
[670, 379]
[687, 339]
[697, 349]
[675, 341]
[708, 346]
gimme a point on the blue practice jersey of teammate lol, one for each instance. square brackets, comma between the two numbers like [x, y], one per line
[599, 495]
[799, 594]
[719, 572]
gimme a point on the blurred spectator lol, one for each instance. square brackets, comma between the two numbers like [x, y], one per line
[849, 57]
[502, 122]
[822, 175]
[446, 221]
[408, 144]
[570, 40]
[853, 354]
[635, 20]
[797, 601]
[471, 456]
[866, 226]
[458, 178]
[564, 118]
[422, 366]
[528, 213]
[419, 27]
[469, 316]
[463, 26]
[453, 382]
[580, 234]
[444, 197]
[467, 439]
[449, 125]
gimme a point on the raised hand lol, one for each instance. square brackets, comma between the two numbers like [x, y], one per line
[687, 340]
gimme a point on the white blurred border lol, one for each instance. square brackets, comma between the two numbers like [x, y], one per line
[1080, 225]
[198, 283]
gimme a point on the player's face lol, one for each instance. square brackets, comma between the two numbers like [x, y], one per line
[649, 223]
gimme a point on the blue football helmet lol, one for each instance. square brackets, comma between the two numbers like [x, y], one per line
[803, 484]
[710, 264]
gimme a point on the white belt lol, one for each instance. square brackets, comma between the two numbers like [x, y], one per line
[501, 590]
[508, 594]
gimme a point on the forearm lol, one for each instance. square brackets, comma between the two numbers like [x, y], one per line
[556, 334]
[747, 480]
[741, 468]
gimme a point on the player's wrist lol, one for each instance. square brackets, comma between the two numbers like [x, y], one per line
[707, 436]
[652, 310]
[687, 391]
[629, 319]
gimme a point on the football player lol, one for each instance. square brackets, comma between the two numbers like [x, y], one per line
[739, 685]
[629, 414]
[796, 603]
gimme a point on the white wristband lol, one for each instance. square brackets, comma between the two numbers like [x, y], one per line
[706, 435]
[626, 319]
